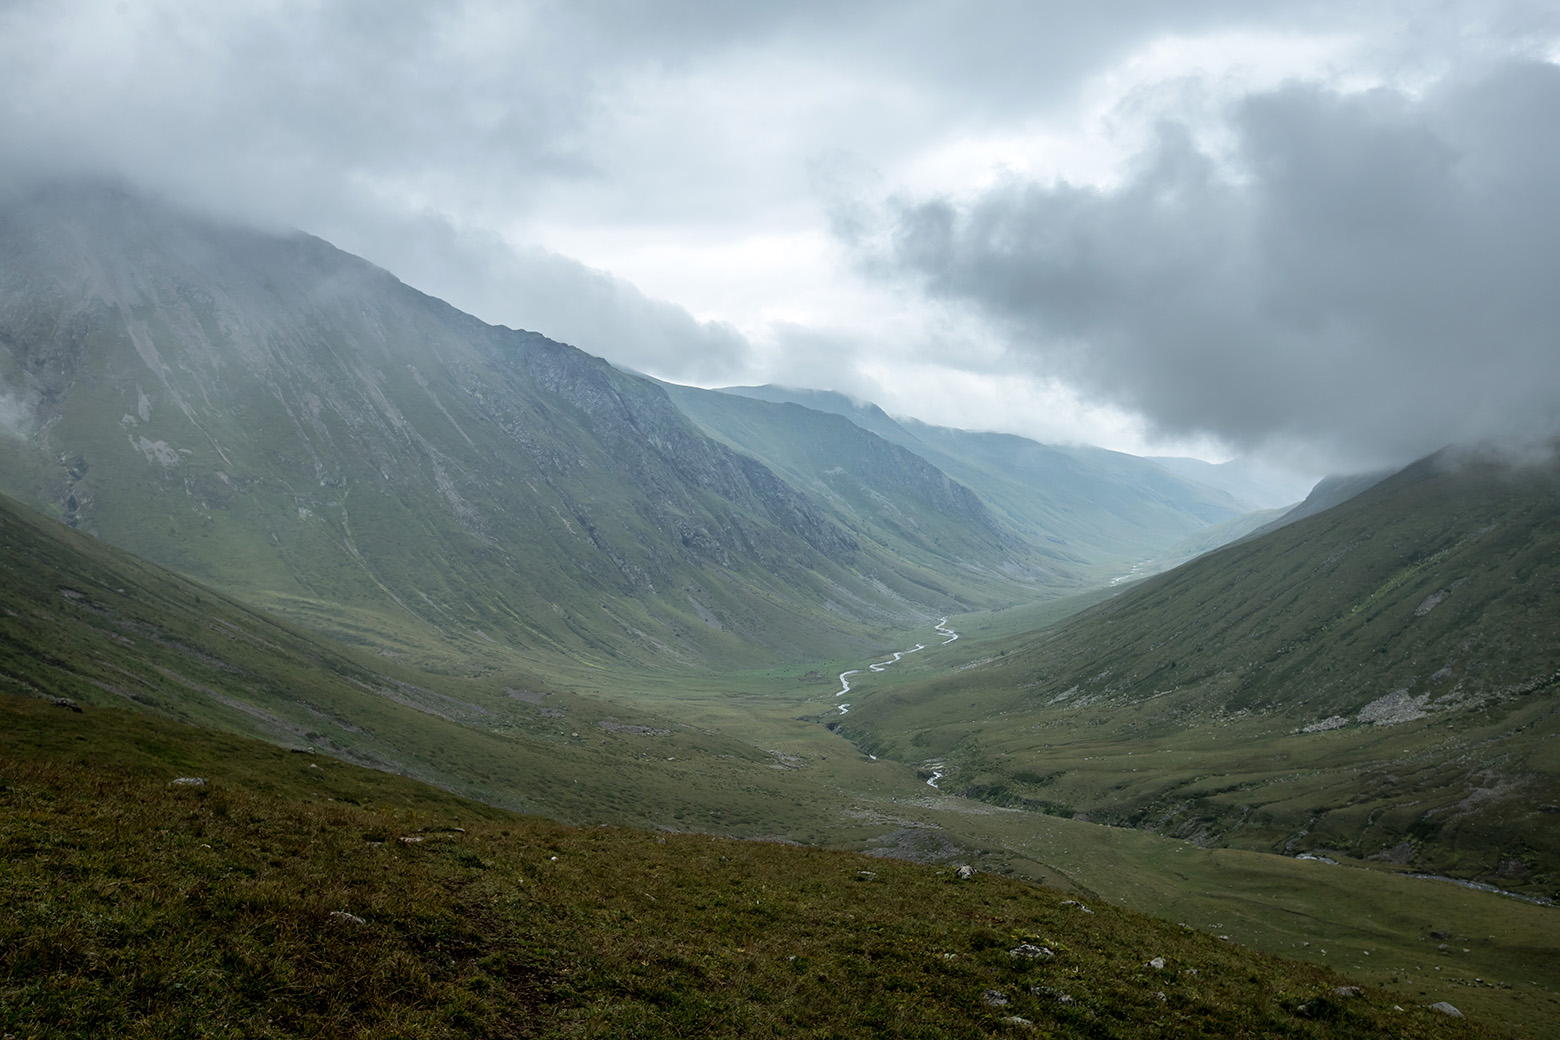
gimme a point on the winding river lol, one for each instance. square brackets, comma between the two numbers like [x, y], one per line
[941, 628]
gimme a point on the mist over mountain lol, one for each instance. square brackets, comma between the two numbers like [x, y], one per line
[277, 417]
[584, 593]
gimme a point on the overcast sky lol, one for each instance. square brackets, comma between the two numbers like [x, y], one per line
[1320, 233]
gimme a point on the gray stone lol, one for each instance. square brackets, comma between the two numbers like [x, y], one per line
[1032, 951]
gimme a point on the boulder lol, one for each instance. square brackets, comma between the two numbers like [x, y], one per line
[1032, 951]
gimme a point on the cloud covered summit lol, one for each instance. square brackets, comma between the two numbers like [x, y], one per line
[1315, 231]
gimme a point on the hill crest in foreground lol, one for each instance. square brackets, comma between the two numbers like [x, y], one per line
[285, 895]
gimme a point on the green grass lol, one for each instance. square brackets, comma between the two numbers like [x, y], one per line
[1191, 703]
[738, 754]
[138, 907]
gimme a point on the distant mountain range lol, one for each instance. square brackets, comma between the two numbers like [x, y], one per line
[1104, 511]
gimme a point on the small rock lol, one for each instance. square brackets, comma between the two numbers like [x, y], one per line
[1032, 951]
[965, 872]
[994, 998]
[413, 839]
[342, 917]
[1158, 964]
[1020, 1022]
[1051, 994]
[1347, 991]
[1446, 1009]
[1080, 906]
[189, 781]
[65, 702]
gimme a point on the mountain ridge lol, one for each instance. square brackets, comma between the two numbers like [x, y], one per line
[1105, 511]
[311, 433]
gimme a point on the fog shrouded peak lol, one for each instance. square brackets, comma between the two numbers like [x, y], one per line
[1311, 230]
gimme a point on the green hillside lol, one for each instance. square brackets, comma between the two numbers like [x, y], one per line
[281, 896]
[731, 756]
[1376, 681]
[296, 427]
[82, 621]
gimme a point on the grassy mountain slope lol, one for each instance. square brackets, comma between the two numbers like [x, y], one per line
[1377, 680]
[81, 620]
[280, 899]
[717, 755]
[1102, 510]
[288, 423]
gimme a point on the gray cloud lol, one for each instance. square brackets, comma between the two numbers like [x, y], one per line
[465, 146]
[535, 289]
[370, 124]
[16, 419]
[1369, 275]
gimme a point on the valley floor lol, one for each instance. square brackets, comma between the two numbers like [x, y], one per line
[1420, 939]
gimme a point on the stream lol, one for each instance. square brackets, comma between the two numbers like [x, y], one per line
[941, 628]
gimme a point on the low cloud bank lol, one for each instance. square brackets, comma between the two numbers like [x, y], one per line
[1367, 276]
